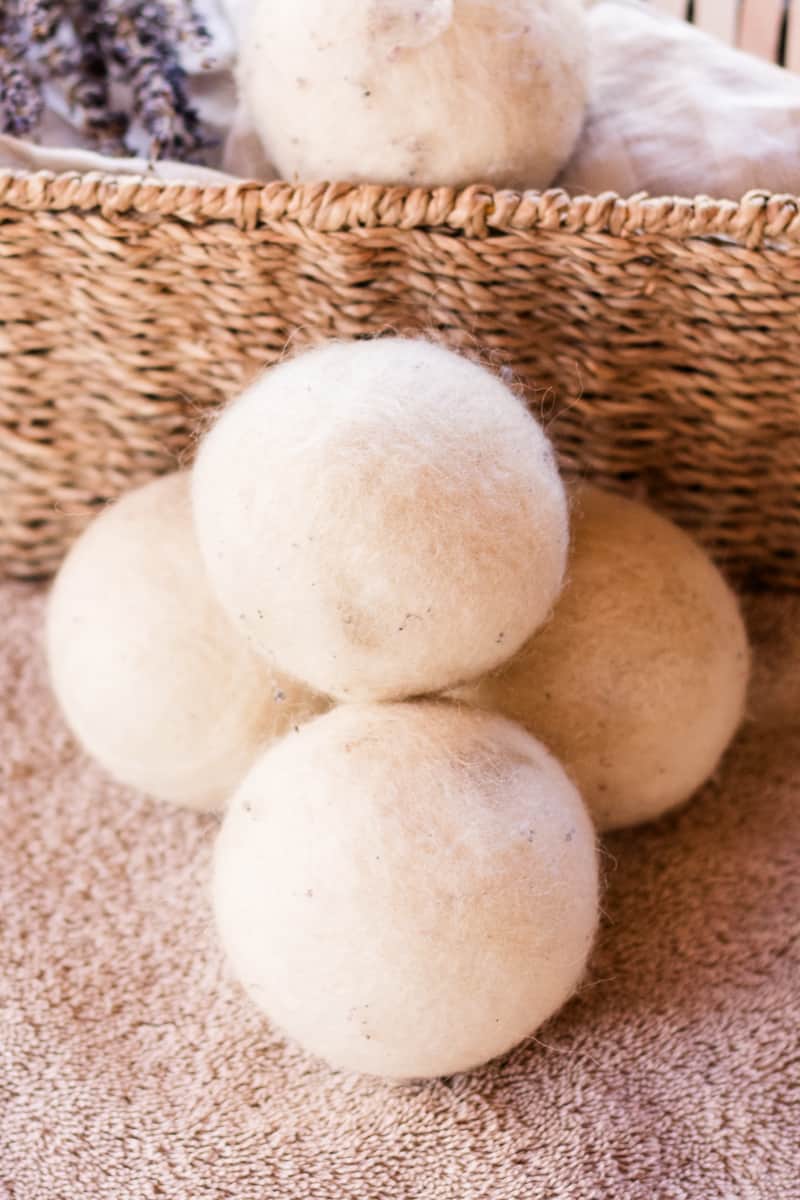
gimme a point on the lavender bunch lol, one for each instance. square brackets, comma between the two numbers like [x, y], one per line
[97, 50]
[20, 98]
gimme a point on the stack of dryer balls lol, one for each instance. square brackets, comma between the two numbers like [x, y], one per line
[151, 674]
[406, 883]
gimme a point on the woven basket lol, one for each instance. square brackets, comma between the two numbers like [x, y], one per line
[659, 339]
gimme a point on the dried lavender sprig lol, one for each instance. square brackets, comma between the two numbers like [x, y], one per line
[42, 18]
[90, 44]
[90, 90]
[20, 98]
[187, 20]
[149, 59]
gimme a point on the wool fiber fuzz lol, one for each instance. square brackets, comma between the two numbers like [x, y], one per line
[407, 889]
[638, 682]
[429, 92]
[152, 677]
[381, 518]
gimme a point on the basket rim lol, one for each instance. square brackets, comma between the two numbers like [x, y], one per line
[477, 210]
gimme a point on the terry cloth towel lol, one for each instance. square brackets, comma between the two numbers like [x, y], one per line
[131, 1066]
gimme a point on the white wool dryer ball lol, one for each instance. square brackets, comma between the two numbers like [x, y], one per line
[431, 92]
[382, 518]
[638, 682]
[407, 890]
[151, 675]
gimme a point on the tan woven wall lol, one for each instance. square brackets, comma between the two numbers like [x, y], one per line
[660, 339]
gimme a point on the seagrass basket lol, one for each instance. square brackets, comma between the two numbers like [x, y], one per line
[658, 339]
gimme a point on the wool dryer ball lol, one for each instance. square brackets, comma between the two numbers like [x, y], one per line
[151, 675]
[382, 518]
[638, 682]
[407, 889]
[431, 92]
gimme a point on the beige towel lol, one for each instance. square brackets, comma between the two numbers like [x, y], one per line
[673, 110]
[131, 1067]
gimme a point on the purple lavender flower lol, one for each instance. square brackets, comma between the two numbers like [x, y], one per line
[91, 49]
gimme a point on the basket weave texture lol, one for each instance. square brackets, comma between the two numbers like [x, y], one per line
[658, 339]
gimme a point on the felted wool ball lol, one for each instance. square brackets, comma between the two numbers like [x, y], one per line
[638, 681]
[152, 677]
[381, 518]
[409, 889]
[427, 92]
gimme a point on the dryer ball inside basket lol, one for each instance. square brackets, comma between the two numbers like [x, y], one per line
[431, 92]
[383, 518]
[151, 675]
[638, 682]
[408, 889]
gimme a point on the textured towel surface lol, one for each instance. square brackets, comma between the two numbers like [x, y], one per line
[131, 1067]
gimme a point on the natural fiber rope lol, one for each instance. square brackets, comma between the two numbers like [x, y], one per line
[660, 337]
[475, 210]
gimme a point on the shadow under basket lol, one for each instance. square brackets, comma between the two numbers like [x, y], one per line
[657, 339]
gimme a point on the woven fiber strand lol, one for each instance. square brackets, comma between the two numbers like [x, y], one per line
[657, 337]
